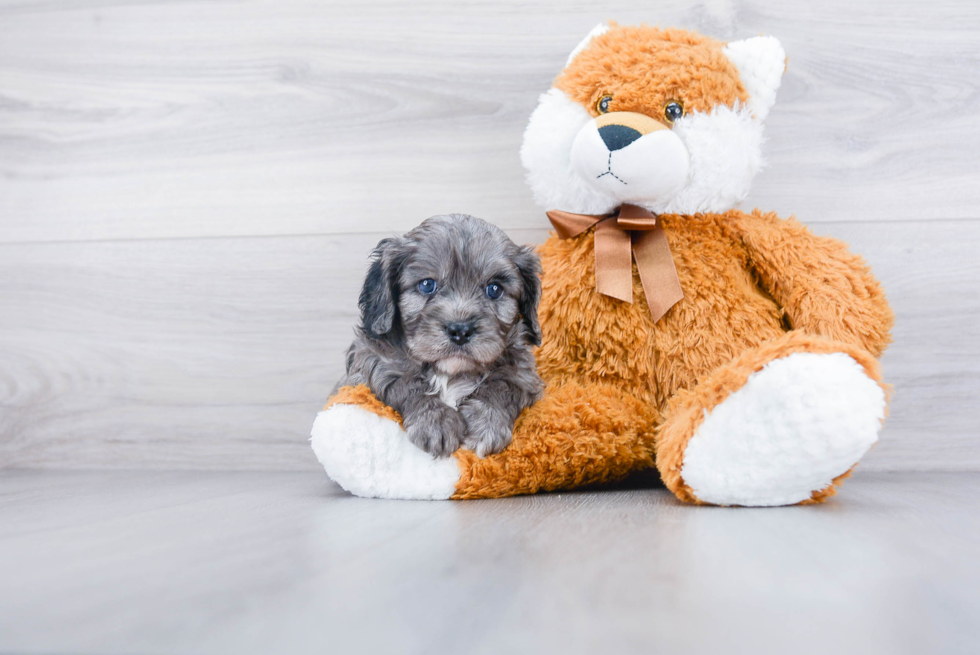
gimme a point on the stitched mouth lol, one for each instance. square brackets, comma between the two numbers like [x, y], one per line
[609, 170]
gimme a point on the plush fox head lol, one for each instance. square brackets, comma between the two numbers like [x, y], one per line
[662, 118]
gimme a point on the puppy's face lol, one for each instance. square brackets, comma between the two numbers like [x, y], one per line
[459, 292]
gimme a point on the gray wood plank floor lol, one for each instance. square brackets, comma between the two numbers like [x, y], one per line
[183, 562]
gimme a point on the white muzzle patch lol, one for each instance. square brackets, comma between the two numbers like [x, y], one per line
[651, 169]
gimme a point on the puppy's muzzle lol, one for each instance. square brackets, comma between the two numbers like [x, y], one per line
[460, 333]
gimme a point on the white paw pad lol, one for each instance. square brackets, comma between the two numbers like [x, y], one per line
[797, 424]
[371, 456]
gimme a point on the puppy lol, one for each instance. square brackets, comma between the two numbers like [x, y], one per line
[449, 313]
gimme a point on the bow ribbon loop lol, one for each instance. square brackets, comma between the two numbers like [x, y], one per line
[629, 233]
[631, 217]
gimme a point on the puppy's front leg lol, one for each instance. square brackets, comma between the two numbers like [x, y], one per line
[431, 424]
[490, 413]
[434, 427]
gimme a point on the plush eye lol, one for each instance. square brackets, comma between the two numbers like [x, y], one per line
[428, 286]
[673, 110]
[494, 291]
[603, 105]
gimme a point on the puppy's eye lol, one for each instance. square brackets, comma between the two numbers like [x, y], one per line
[428, 286]
[673, 110]
[494, 291]
[603, 105]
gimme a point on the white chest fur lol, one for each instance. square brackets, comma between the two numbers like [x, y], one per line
[451, 389]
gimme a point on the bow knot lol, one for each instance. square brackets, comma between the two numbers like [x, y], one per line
[628, 233]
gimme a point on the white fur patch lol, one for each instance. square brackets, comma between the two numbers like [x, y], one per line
[761, 62]
[450, 389]
[547, 157]
[724, 149]
[371, 456]
[796, 425]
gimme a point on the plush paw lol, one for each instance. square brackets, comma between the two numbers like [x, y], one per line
[795, 426]
[488, 429]
[363, 448]
[437, 429]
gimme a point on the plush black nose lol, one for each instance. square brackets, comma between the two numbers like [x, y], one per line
[460, 333]
[618, 136]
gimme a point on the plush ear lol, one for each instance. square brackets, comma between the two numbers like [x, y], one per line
[598, 30]
[379, 295]
[761, 62]
[529, 266]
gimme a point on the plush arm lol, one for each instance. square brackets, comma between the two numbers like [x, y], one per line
[822, 287]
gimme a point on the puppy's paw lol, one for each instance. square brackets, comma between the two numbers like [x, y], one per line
[488, 429]
[437, 430]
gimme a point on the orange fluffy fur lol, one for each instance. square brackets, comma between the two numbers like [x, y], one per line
[361, 395]
[756, 288]
[625, 393]
[658, 66]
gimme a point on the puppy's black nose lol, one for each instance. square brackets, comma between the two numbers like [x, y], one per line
[618, 136]
[460, 333]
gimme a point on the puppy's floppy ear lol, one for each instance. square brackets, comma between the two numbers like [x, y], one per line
[379, 295]
[530, 268]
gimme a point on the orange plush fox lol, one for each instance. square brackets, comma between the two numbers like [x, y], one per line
[734, 351]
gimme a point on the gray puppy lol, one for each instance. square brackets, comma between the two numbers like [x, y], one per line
[449, 313]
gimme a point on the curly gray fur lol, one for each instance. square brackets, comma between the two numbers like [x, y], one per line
[450, 393]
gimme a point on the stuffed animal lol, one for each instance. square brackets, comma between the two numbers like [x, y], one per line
[734, 351]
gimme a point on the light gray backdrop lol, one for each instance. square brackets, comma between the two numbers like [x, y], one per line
[189, 192]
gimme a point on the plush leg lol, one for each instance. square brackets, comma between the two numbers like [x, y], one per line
[576, 435]
[781, 424]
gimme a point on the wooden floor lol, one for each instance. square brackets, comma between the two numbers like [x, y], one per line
[285, 562]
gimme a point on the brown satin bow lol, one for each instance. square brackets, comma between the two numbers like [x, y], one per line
[630, 229]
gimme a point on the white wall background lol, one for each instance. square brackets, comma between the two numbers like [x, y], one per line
[189, 192]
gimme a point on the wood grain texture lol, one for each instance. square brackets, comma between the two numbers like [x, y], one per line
[216, 353]
[176, 562]
[188, 192]
[172, 119]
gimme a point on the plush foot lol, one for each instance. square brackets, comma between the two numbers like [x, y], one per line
[361, 444]
[778, 427]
